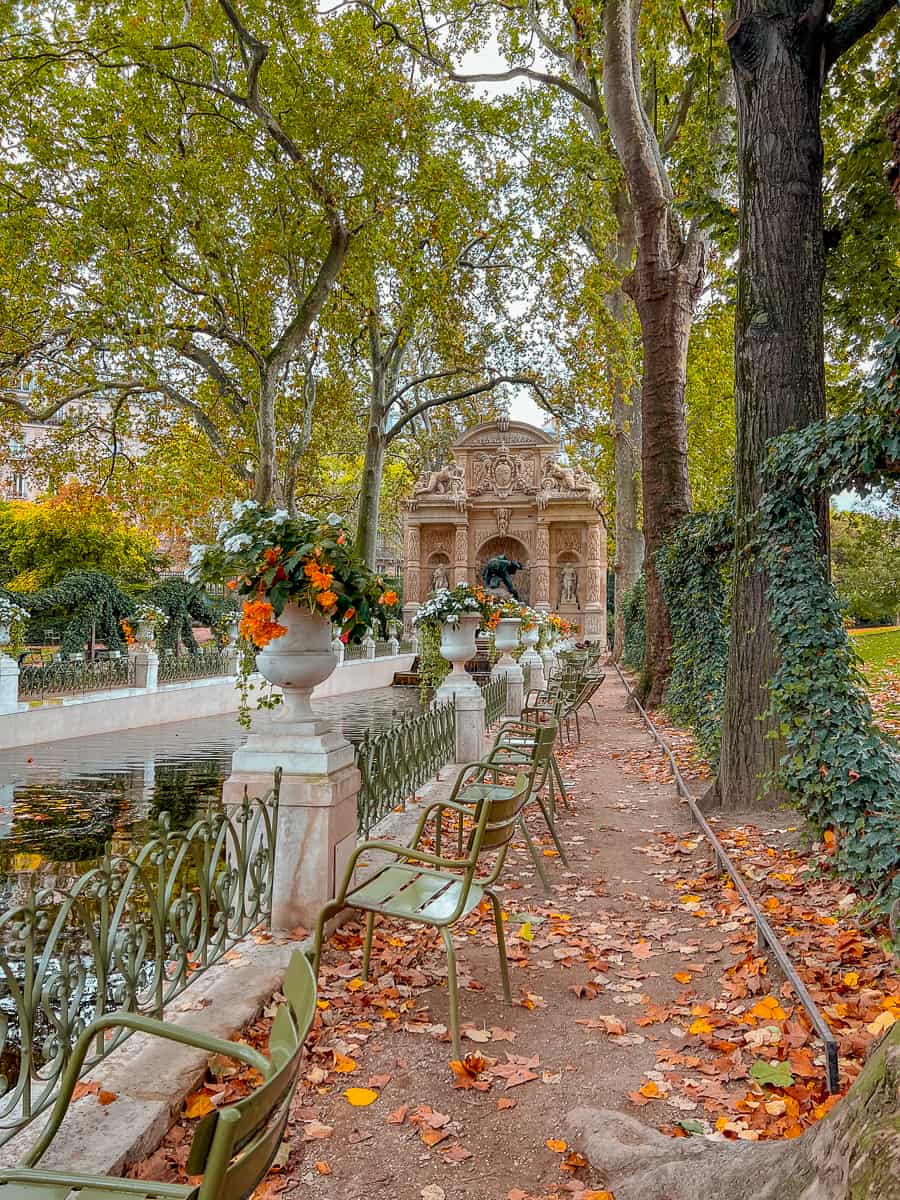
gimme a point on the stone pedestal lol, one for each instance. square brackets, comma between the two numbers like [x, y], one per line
[531, 658]
[469, 725]
[9, 684]
[548, 658]
[316, 836]
[146, 668]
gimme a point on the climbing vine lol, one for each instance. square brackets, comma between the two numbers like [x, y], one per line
[693, 567]
[841, 770]
[634, 608]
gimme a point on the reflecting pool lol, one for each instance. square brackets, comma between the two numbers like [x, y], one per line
[62, 803]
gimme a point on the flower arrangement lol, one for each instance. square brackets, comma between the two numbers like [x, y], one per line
[449, 604]
[150, 614]
[13, 617]
[273, 559]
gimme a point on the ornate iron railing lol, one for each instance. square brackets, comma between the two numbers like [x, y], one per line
[394, 762]
[353, 651]
[383, 649]
[40, 681]
[131, 933]
[495, 696]
[203, 665]
[406, 646]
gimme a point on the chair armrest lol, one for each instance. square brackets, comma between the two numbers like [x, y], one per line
[140, 1024]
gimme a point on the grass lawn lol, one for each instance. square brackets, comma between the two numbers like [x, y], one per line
[878, 647]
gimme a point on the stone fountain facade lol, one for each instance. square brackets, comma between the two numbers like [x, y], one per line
[506, 492]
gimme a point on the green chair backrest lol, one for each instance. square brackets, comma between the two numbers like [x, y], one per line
[233, 1147]
[499, 819]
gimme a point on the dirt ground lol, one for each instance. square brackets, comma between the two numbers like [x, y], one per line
[637, 985]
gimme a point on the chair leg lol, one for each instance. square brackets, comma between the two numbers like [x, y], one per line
[536, 858]
[501, 946]
[328, 911]
[554, 766]
[551, 825]
[367, 944]
[452, 996]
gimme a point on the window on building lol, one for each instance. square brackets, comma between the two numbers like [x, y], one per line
[17, 487]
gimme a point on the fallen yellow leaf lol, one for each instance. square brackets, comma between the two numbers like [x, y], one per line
[649, 1089]
[342, 1064]
[683, 976]
[557, 1146]
[525, 932]
[360, 1097]
[851, 979]
[700, 1026]
[882, 1022]
[198, 1105]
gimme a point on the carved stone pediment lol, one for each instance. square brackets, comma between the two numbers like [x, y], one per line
[503, 473]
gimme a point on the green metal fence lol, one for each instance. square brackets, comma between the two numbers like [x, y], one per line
[495, 694]
[74, 677]
[131, 933]
[205, 664]
[394, 762]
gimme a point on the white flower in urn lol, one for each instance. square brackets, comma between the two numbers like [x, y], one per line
[236, 542]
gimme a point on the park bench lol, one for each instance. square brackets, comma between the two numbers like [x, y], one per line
[434, 889]
[233, 1146]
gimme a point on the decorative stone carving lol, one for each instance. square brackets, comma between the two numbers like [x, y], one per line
[448, 481]
[503, 474]
[568, 539]
[515, 499]
[559, 480]
[440, 578]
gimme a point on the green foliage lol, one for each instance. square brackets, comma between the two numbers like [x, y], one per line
[433, 669]
[634, 607]
[865, 562]
[843, 772]
[694, 569]
[183, 602]
[86, 602]
[74, 531]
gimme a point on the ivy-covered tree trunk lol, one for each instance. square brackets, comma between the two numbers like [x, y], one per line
[852, 1154]
[779, 58]
[373, 470]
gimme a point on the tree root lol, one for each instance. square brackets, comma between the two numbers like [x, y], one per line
[853, 1154]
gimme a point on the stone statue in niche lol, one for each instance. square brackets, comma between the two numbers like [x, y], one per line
[439, 578]
[499, 570]
[568, 584]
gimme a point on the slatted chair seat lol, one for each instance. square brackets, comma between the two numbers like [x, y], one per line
[233, 1147]
[434, 889]
[402, 890]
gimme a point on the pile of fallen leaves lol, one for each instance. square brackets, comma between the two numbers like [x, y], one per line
[749, 1063]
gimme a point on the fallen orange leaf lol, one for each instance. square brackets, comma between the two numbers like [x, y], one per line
[557, 1146]
[360, 1097]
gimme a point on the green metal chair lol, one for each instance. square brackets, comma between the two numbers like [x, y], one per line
[433, 889]
[530, 750]
[233, 1147]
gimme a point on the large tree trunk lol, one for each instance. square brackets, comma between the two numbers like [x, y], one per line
[370, 484]
[266, 441]
[666, 283]
[626, 401]
[852, 1154]
[779, 355]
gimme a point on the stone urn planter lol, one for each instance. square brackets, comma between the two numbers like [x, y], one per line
[531, 658]
[144, 632]
[458, 647]
[506, 639]
[298, 661]
[5, 634]
[545, 649]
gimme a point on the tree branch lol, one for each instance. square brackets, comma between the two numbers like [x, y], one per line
[855, 24]
[475, 390]
[296, 332]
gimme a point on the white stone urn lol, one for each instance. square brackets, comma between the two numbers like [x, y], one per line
[144, 632]
[294, 737]
[531, 658]
[298, 660]
[506, 639]
[457, 647]
[5, 633]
